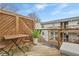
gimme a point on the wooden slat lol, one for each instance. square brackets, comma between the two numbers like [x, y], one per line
[10, 27]
[17, 25]
[6, 27]
[4, 20]
[29, 23]
[2, 46]
[6, 24]
[26, 26]
[24, 29]
[9, 37]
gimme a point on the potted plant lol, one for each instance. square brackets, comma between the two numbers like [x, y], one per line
[35, 35]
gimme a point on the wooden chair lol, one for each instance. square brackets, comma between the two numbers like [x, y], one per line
[28, 43]
[53, 42]
[3, 45]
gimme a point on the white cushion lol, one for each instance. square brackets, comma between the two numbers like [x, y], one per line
[70, 49]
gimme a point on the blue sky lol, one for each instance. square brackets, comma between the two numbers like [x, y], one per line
[47, 12]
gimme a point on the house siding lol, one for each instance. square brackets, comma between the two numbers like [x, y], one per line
[44, 34]
[56, 25]
[38, 26]
[73, 24]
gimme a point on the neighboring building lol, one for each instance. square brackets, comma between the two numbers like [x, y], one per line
[38, 25]
[68, 23]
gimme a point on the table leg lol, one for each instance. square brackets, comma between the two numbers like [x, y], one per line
[17, 46]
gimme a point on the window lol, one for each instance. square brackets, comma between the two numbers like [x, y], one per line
[42, 33]
[42, 26]
[51, 34]
[65, 24]
[78, 23]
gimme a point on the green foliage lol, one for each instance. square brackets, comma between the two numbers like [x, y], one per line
[36, 33]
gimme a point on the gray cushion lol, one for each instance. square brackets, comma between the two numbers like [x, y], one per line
[70, 49]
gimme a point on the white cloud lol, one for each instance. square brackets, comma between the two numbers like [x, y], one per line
[63, 5]
[73, 12]
[40, 6]
[59, 9]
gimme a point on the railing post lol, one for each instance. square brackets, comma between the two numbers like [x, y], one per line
[48, 34]
[59, 39]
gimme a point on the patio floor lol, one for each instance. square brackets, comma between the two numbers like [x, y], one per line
[40, 50]
[37, 50]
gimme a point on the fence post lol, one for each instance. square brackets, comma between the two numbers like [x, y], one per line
[17, 25]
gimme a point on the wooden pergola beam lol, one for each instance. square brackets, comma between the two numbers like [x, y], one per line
[61, 30]
[72, 30]
[69, 30]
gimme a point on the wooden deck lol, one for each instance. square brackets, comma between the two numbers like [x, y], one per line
[42, 50]
[38, 50]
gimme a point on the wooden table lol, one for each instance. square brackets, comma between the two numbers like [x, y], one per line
[16, 37]
[9, 37]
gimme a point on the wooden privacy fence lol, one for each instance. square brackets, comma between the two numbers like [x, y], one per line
[11, 23]
[14, 24]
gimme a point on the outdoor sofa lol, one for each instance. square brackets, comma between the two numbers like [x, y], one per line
[69, 49]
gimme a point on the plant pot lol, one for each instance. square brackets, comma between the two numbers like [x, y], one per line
[35, 41]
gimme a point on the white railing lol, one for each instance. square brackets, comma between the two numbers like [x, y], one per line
[54, 27]
[72, 26]
[68, 26]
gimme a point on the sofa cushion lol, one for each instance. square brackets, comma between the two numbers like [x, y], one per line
[71, 49]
